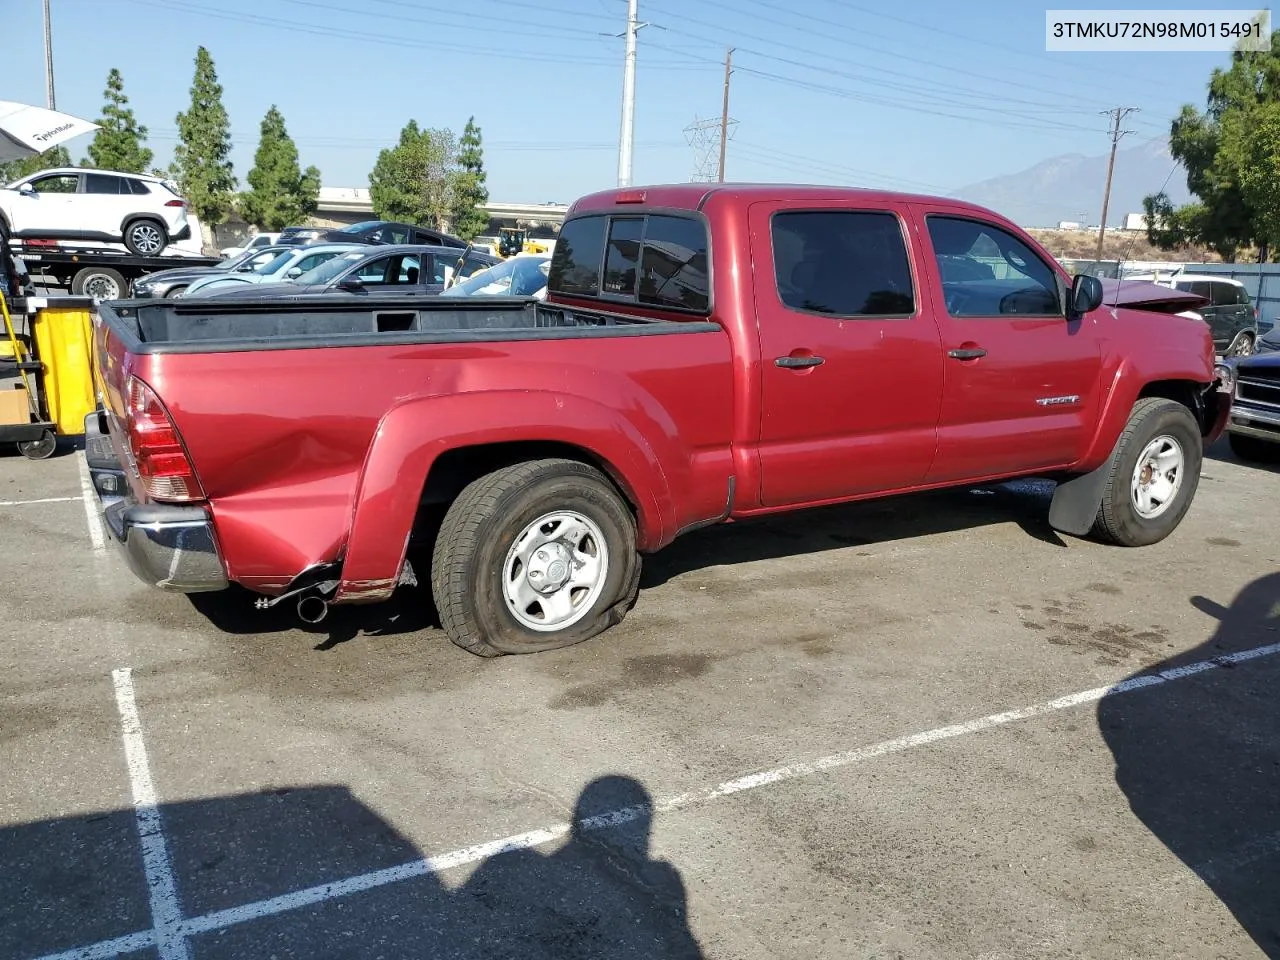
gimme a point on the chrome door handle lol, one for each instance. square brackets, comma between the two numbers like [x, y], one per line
[967, 354]
[793, 363]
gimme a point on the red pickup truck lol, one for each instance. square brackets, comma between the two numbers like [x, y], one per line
[704, 353]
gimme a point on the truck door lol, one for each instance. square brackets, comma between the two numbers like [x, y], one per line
[1021, 387]
[851, 367]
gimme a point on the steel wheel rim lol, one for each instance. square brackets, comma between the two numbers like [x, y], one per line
[1157, 477]
[1245, 349]
[145, 237]
[103, 288]
[555, 570]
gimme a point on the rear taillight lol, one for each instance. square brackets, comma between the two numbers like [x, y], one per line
[161, 459]
[175, 203]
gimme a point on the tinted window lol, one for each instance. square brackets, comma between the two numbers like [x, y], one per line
[313, 261]
[673, 271]
[138, 188]
[1199, 287]
[579, 254]
[988, 272]
[842, 263]
[623, 257]
[1226, 294]
[101, 183]
[471, 265]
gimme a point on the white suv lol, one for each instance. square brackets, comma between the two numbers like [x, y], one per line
[68, 203]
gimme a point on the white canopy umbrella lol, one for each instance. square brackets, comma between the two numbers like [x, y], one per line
[26, 131]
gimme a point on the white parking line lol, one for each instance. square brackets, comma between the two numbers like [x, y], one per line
[162, 885]
[26, 503]
[222, 919]
[90, 507]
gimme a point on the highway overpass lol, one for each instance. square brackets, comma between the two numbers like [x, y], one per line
[351, 204]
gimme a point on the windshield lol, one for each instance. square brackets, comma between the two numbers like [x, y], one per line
[329, 269]
[276, 262]
[517, 277]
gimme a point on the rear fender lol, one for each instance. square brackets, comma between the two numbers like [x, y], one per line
[415, 433]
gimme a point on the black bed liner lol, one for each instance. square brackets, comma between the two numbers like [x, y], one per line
[223, 325]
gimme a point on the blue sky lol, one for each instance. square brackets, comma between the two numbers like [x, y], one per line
[922, 95]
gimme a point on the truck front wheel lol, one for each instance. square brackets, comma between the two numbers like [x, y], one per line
[533, 557]
[1154, 475]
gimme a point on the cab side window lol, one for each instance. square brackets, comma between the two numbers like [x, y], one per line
[842, 263]
[988, 272]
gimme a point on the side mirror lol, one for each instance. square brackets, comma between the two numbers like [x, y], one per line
[27, 189]
[351, 284]
[293, 272]
[1086, 295]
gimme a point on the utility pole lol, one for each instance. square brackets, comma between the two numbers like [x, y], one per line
[627, 136]
[724, 110]
[48, 59]
[1117, 115]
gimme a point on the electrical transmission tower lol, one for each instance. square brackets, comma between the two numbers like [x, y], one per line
[704, 137]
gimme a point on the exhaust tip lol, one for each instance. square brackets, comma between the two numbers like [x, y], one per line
[312, 609]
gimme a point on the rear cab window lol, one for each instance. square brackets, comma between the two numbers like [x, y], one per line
[652, 259]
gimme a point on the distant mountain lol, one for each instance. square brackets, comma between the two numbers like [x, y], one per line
[1069, 187]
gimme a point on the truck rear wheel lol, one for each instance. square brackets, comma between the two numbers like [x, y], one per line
[533, 557]
[1154, 475]
[103, 283]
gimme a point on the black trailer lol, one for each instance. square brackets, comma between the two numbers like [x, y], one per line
[104, 274]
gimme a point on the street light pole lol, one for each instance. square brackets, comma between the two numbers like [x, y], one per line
[627, 137]
[50, 101]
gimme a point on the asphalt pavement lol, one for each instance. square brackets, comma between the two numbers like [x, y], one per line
[923, 728]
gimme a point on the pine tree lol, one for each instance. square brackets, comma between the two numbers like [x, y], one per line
[280, 193]
[201, 163]
[118, 144]
[469, 190]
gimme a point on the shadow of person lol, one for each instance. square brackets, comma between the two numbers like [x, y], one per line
[1199, 758]
[599, 896]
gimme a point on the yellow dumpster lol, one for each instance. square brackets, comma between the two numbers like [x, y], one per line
[63, 332]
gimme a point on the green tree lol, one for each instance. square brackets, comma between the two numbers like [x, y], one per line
[118, 144]
[469, 190]
[414, 180]
[1222, 151]
[280, 193]
[201, 163]
[17, 169]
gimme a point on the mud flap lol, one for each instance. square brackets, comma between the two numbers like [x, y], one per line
[1076, 501]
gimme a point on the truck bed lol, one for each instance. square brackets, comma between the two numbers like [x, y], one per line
[320, 320]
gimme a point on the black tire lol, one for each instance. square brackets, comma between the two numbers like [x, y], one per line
[1254, 449]
[142, 235]
[1242, 346]
[1118, 520]
[467, 564]
[101, 282]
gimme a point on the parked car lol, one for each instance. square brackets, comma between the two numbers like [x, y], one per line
[144, 213]
[381, 271]
[371, 231]
[704, 353]
[288, 264]
[1231, 315]
[524, 275]
[1269, 342]
[256, 242]
[173, 283]
[1254, 428]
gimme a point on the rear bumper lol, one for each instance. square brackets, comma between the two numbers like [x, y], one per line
[168, 546]
[183, 232]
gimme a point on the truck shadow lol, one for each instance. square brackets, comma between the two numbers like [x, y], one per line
[77, 881]
[1199, 760]
[1222, 453]
[1024, 502]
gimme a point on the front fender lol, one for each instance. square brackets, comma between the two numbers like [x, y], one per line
[416, 432]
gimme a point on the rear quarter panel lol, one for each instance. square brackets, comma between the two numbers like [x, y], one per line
[285, 441]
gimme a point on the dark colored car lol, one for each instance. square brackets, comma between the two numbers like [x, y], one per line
[1269, 342]
[168, 283]
[1254, 427]
[399, 270]
[370, 231]
[1232, 317]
